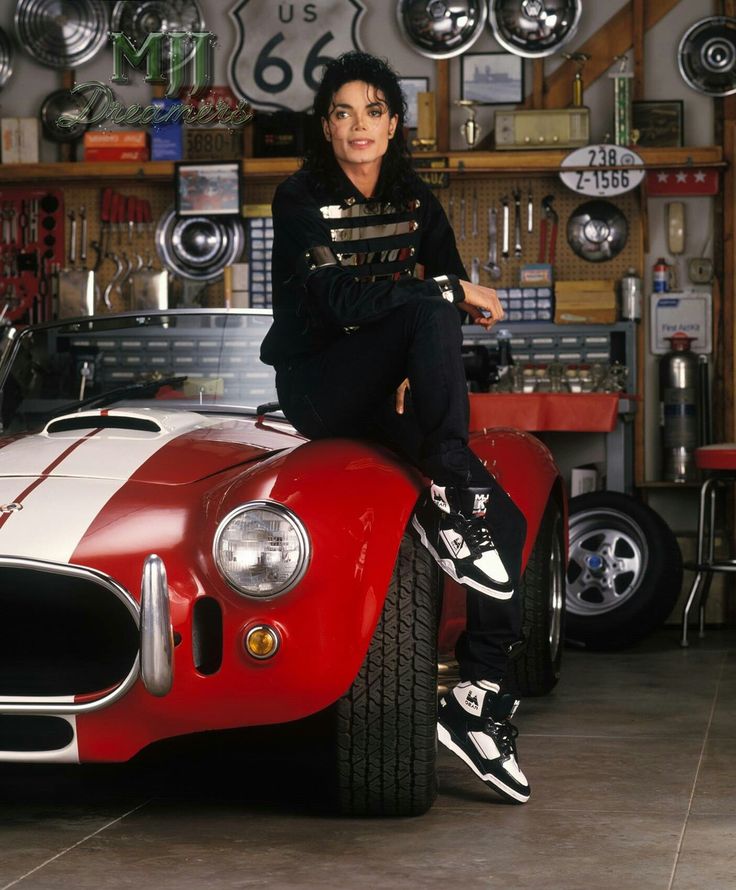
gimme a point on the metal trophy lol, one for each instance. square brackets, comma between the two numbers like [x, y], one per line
[577, 82]
[426, 138]
[470, 129]
[622, 84]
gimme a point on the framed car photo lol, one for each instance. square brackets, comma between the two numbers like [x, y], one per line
[492, 78]
[204, 189]
[660, 123]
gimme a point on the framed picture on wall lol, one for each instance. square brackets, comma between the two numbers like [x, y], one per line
[411, 86]
[659, 123]
[493, 78]
[209, 189]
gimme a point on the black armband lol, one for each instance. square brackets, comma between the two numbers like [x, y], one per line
[450, 288]
[318, 257]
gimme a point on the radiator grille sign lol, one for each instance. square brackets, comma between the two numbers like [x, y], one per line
[282, 47]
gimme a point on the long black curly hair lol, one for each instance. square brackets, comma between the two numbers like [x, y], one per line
[394, 182]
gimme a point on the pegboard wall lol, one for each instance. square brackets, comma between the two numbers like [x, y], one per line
[141, 241]
[491, 191]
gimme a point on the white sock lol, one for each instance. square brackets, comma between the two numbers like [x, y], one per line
[489, 685]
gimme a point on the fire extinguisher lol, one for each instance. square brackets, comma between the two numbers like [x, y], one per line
[678, 395]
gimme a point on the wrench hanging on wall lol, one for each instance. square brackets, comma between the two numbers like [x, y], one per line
[505, 235]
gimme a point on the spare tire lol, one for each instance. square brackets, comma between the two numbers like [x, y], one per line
[624, 571]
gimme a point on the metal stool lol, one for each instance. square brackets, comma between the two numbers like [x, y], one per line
[719, 462]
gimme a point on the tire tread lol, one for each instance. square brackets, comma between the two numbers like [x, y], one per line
[386, 722]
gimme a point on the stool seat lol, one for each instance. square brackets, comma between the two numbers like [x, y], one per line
[719, 462]
[716, 457]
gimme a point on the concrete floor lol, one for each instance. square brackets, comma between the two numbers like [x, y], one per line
[630, 760]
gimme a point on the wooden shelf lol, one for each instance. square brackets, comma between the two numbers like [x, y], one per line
[547, 161]
[542, 162]
[71, 171]
[666, 484]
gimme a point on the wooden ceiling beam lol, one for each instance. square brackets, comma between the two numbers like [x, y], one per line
[638, 31]
[612, 39]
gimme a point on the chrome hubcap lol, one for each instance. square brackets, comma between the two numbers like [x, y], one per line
[608, 557]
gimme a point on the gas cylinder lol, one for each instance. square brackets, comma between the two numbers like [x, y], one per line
[660, 276]
[678, 399]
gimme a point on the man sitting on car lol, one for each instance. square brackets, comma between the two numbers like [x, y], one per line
[355, 326]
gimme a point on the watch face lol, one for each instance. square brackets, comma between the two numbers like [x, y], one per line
[534, 28]
[441, 29]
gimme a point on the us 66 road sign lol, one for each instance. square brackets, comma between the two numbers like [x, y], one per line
[281, 48]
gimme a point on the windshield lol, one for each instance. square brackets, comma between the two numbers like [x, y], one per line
[186, 359]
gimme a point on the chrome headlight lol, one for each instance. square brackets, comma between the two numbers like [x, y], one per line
[262, 549]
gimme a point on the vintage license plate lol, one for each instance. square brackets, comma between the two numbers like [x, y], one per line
[212, 144]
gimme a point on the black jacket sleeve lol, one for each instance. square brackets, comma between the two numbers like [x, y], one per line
[332, 292]
[438, 251]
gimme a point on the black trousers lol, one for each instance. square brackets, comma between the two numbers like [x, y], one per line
[348, 389]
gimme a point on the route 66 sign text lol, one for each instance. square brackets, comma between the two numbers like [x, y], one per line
[282, 46]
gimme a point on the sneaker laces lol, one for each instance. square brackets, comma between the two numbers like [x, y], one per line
[504, 734]
[477, 536]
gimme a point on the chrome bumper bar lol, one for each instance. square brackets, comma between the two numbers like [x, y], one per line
[154, 663]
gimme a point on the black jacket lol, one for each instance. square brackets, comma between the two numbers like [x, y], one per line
[377, 247]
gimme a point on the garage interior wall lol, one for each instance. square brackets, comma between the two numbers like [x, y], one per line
[380, 34]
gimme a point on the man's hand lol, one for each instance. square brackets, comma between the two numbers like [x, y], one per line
[400, 392]
[479, 298]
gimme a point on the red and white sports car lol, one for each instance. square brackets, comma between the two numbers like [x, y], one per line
[172, 560]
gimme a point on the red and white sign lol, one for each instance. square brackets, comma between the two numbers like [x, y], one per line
[691, 181]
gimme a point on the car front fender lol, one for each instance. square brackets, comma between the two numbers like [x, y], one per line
[355, 500]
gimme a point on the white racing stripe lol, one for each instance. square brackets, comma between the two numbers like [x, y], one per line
[110, 453]
[61, 506]
[31, 455]
[55, 517]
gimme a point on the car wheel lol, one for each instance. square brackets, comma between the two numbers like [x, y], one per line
[387, 721]
[624, 572]
[542, 590]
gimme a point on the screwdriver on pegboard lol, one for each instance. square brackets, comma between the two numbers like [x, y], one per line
[105, 219]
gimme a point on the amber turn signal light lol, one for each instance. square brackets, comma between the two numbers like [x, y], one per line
[262, 641]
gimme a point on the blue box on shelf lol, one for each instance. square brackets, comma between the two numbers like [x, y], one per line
[167, 140]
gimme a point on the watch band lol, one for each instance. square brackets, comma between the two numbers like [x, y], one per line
[447, 291]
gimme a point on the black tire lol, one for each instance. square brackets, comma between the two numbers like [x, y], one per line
[542, 590]
[387, 721]
[624, 572]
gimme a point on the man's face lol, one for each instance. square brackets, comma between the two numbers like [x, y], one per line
[359, 125]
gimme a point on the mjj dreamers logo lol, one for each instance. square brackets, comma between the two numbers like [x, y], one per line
[185, 49]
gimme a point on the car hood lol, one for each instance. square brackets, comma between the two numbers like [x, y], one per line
[95, 470]
[148, 445]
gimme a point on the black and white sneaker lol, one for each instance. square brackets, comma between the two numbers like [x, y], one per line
[451, 523]
[473, 723]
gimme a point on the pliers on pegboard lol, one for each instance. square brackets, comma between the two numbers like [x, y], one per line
[550, 221]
